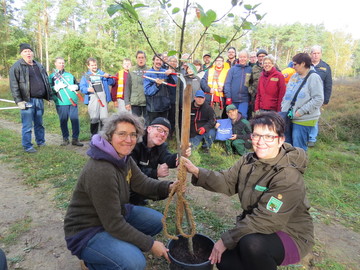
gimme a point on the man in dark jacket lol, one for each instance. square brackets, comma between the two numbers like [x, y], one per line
[156, 90]
[324, 71]
[30, 86]
[202, 122]
[152, 154]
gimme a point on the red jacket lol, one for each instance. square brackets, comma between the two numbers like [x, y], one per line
[271, 89]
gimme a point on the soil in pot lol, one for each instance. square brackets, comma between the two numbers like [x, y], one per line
[179, 249]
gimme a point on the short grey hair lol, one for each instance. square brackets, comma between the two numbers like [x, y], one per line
[172, 57]
[316, 48]
[244, 52]
[110, 125]
[271, 58]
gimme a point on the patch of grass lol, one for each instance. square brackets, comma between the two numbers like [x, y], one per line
[16, 230]
[51, 164]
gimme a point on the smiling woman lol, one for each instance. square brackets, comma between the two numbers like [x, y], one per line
[101, 227]
[275, 227]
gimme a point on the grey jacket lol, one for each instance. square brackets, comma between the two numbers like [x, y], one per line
[259, 183]
[20, 82]
[309, 100]
[134, 88]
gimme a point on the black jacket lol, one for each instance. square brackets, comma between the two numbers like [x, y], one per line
[20, 82]
[203, 116]
[148, 159]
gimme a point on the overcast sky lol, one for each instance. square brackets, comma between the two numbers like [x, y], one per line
[335, 15]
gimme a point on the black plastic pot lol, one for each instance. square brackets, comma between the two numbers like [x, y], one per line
[181, 259]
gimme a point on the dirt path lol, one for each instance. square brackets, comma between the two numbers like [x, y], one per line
[43, 246]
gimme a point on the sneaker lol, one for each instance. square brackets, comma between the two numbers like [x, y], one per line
[65, 142]
[311, 144]
[76, 142]
[42, 144]
[31, 150]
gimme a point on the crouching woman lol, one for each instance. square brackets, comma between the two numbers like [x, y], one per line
[101, 227]
[275, 227]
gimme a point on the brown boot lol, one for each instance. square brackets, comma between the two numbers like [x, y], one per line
[76, 142]
[65, 142]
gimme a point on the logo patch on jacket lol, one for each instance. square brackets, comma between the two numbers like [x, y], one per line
[274, 79]
[323, 68]
[274, 205]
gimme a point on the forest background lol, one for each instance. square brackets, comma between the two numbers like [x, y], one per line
[80, 29]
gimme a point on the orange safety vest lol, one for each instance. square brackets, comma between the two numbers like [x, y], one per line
[214, 84]
[120, 89]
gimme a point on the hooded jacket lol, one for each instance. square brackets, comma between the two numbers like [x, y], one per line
[271, 193]
[20, 82]
[203, 116]
[134, 87]
[102, 193]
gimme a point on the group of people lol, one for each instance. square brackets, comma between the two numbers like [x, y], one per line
[108, 224]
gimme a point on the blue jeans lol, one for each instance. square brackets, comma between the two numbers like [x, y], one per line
[314, 132]
[242, 108]
[28, 116]
[300, 136]
[208, 137]
[103, 251]
[65, 112]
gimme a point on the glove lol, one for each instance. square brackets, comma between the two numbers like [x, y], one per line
[22, 105]
[201, 131]
[59, 86]
[73, 87]
[228, 101]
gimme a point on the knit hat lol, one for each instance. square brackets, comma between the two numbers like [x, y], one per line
[161, 121]
[230, 107]
[261, 51]
[200, 93]
[24, 46]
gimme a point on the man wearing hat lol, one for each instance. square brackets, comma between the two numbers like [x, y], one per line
[207, 61]
[255, 74]
[202, 122]
[241, 130]
[29, 86]
[152, 154]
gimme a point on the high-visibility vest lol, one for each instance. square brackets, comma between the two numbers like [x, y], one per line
[214, 84]
[120, 89]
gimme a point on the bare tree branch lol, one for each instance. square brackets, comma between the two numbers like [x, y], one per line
[170, 16]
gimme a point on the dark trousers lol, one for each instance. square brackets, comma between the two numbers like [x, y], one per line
[254, 252]
[141, 111]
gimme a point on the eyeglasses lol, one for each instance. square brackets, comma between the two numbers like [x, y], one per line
[161, 130]
[124, 135]
[266, 137]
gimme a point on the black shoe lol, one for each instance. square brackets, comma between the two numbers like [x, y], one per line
[206, 150]
[76, 142]
[65, 142]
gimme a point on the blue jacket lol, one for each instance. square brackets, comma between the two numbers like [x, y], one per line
[157, 96]
[237, 83]
[324, 71]
[84, 85]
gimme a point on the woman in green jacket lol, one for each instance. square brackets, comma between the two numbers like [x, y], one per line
[275, 227]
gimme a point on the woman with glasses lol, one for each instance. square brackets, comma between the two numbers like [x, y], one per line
[306, 110]
[271, 87]
[275, 226]
[101, 227]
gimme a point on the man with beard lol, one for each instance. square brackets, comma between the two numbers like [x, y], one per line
[156, 90]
